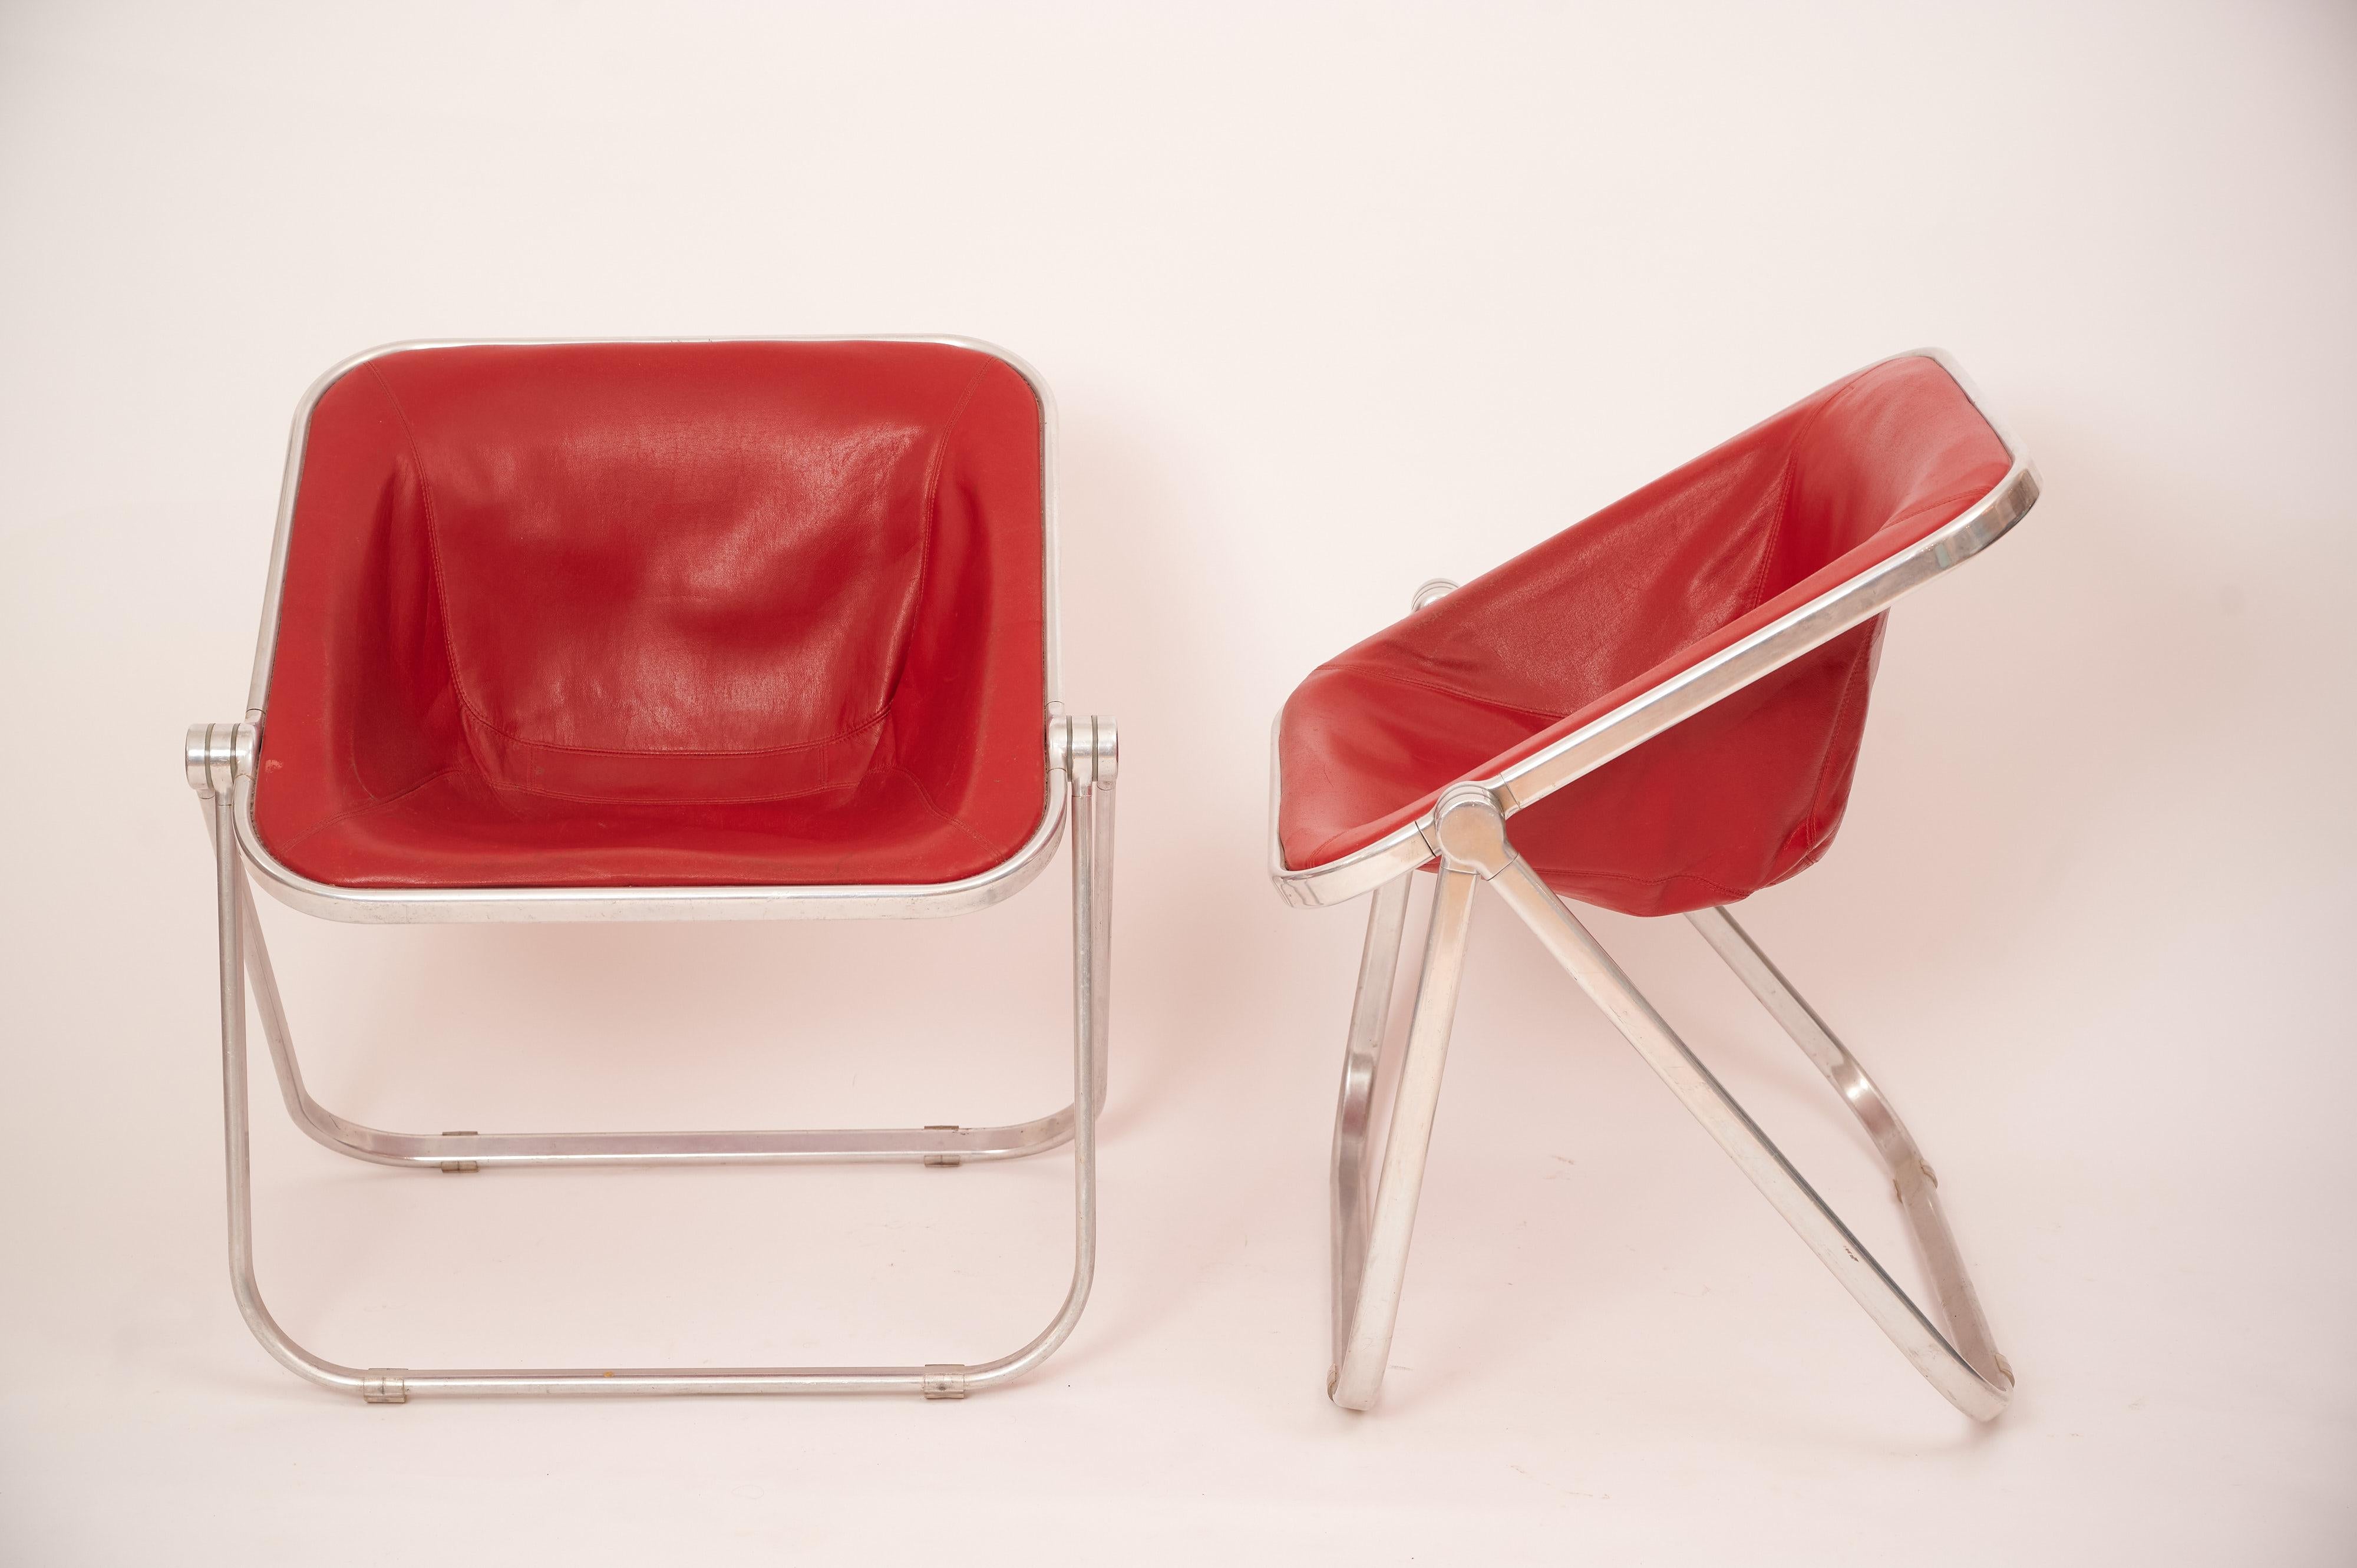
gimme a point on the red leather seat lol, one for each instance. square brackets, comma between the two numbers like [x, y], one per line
[1745, 793]
[625, 615]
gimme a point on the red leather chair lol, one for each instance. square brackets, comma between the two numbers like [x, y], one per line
[661, 630]
[1656, 711]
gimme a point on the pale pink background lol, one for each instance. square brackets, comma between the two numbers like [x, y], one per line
[1334, 299]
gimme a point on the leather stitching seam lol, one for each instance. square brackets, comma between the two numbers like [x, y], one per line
[956, 822]
[373, 803]
[1652, 882]
[666, 799]
[836, 740]
[1377, 672]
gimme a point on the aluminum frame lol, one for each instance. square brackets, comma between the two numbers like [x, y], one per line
[1467, 839]
[1081, 766]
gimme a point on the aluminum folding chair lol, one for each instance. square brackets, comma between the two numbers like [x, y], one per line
[1657, 711]
[677, 630]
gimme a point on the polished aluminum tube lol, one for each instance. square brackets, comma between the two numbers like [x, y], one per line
[1370, 1016]
[1358, 1373]
[1980, 1396]
[1912, 1180]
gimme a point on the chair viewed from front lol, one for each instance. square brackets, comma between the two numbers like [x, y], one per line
[697, 630]
[1657, 712]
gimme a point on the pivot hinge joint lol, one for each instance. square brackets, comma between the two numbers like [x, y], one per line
[215, 755]
[1088, 748]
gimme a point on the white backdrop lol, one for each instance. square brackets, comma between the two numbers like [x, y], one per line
[1334, 299]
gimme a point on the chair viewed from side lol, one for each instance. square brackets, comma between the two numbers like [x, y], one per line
[658, 630]
[1657, 711]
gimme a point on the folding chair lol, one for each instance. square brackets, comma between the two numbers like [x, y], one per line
[1656, 711]
[675, 630]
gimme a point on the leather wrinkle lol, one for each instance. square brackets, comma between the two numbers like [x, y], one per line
[433, 546]
[931, 522]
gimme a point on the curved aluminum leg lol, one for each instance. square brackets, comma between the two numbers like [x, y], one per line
[1092, 842]
[1365, 1347]
[1912, 1180]
[1980, 1394]
[229, 882]
[1092, 1007]
[1370, 1017]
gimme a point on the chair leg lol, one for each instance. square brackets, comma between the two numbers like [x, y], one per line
[1090, 827]
[1979, 1394]
[1369, 1020]
[1373, 1297]
[229, 885]
[1913, 1183]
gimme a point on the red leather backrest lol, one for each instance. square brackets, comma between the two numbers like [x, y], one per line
[1880, 457]
[680, 570]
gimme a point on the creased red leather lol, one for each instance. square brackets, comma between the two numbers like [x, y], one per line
[614, 614]
[1743, 794]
